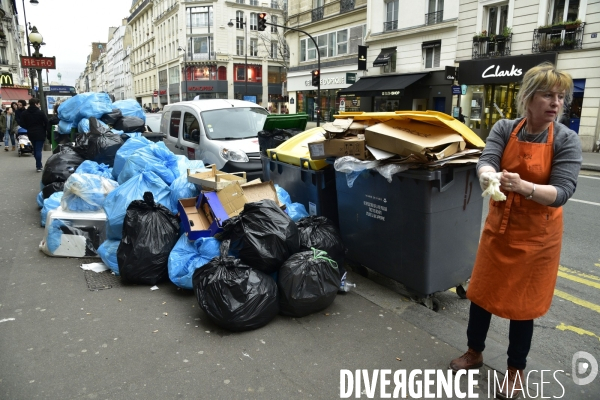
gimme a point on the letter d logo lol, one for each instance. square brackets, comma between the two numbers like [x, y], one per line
[579, 367]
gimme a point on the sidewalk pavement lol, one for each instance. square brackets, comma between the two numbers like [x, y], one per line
[61, 340]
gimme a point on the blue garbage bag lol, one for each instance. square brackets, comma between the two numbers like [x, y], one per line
[40, 199]
[86, 192]
[51, 203]
[184, 163]
[84, 105]
[84, 125]
[156, 158]
[118, 200]
[181, 188]
[128, 148]
[65, 127]
[187, 256]
[108, 253]
[92, 167]
[296, 211]
[130, 108]
[54, 235]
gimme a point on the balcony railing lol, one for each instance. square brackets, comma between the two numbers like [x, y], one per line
[390, 25]
[346, 5]
[491, 46]
[557, 38]
[318, 13]
[434, 17]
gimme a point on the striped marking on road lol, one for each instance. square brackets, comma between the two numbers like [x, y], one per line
[577, 300]
[577, 330]
[589, 177]
[585, 202]
[578, 279]
[578, 273]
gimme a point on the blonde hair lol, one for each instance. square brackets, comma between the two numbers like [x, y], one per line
[544, 77]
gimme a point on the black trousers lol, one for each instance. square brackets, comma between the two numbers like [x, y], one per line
[519, 336]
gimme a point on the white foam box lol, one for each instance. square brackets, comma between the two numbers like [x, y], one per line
[94, 223]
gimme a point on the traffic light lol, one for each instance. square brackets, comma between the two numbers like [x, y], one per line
[262, 21]
[315, 77]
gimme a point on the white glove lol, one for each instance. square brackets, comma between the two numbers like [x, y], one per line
[491, 180]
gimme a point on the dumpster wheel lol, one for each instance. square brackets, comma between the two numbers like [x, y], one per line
[461, 290]
[432, 303]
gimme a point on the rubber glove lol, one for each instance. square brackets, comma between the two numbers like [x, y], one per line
[493, 185]
[484, 179]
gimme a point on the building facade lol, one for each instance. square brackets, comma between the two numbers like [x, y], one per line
[498, 41]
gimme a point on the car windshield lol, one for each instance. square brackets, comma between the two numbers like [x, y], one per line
[234, 123]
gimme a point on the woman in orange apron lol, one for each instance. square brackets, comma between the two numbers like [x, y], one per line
[537, 161]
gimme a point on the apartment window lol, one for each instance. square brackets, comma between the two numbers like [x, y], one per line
[239, 46]
[343, 41]
[564, 10]
[431, 53]
[239, 1]
[254, 47]
[253, 21]
[274, 4]
[274, 50]
[391, 15]
[497, 19]
[436, 10]
[303, 50]
[203, 46]
[239, 19]
[274, 21]
[198, 17]
[253, 2]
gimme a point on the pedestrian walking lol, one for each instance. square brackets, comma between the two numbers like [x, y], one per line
[21, 106]
[35, 121]
[8, 125]
[536, 161]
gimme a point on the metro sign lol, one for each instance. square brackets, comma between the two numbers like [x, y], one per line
[38, 62]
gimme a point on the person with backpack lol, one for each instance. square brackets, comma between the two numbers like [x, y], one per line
[35, 121]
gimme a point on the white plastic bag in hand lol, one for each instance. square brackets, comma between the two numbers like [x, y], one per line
[490, 184]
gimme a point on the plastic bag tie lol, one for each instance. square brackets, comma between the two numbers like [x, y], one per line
[322, 255]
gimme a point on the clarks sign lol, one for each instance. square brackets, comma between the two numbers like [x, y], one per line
[500, 70]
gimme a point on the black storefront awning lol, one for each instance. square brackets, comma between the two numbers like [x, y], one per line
[388, 85]
[384, 57]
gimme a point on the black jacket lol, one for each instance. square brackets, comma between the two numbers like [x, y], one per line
[35, 121]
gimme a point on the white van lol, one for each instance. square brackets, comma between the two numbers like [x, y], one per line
[216, 131]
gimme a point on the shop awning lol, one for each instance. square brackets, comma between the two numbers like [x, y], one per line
[384, 57]
[389, 85]
[14, 94]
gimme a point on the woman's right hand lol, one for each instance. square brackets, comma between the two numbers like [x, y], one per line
[484, 179]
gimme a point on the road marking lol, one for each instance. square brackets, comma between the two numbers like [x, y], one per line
[585, 202]
[577, 330]
[581, 274]
[579, 280]
[577, 300]
[589, 177]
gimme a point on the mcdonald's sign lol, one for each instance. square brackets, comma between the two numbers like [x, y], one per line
[6, 79]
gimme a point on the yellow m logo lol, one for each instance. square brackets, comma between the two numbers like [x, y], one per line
[6, 79]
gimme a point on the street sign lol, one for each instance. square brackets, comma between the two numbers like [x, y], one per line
[450, 73]
[155, 93]
[350, 77]
[456, 89]
[38, 62]
[342, 104]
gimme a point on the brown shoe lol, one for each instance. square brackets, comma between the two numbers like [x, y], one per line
[512, 386]
[470, 360]
[13, 148]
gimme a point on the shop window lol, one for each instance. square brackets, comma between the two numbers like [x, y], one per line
[497, 18]
[431, 54]
[254, 73]
[222, 74]
[564, 10]
[174, 124]
[276, 74]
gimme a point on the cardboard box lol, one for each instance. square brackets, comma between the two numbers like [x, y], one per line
[347, 146]
[405, 137]
[198, 218]
[215, 179]
[337, 128]
[234, 197]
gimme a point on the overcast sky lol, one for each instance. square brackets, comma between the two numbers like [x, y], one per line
[69, 27]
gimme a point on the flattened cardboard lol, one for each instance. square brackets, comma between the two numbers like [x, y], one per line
[406, 137]
[339, 147]
[337, 127]
[234, 197]
[215, 179]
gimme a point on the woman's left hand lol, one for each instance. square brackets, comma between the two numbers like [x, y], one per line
[511, 181]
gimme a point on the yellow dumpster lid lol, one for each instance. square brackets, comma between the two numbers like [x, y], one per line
[430, 117]
[296, 148]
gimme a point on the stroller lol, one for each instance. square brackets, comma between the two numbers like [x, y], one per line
[24, 145]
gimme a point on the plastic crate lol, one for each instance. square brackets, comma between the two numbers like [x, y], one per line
[421, 230]
[315, 189]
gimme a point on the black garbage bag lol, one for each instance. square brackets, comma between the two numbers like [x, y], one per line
[52, 188]
[270, 139]
[64, 148]
[235, 296]
[60, 166]
[130, 124]
[308, 282]
[102, 144]
[150, 232]
[266, 235]
[320, 233]
[112, 117]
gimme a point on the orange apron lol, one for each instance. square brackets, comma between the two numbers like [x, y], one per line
[519, 251]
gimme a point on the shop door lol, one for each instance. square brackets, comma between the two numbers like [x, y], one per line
[500, 103]
[439, 104]
[574, 111]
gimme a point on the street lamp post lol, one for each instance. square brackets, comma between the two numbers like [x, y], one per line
[184, 69]
[36, 40]
[245, 26]
[34, 3]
